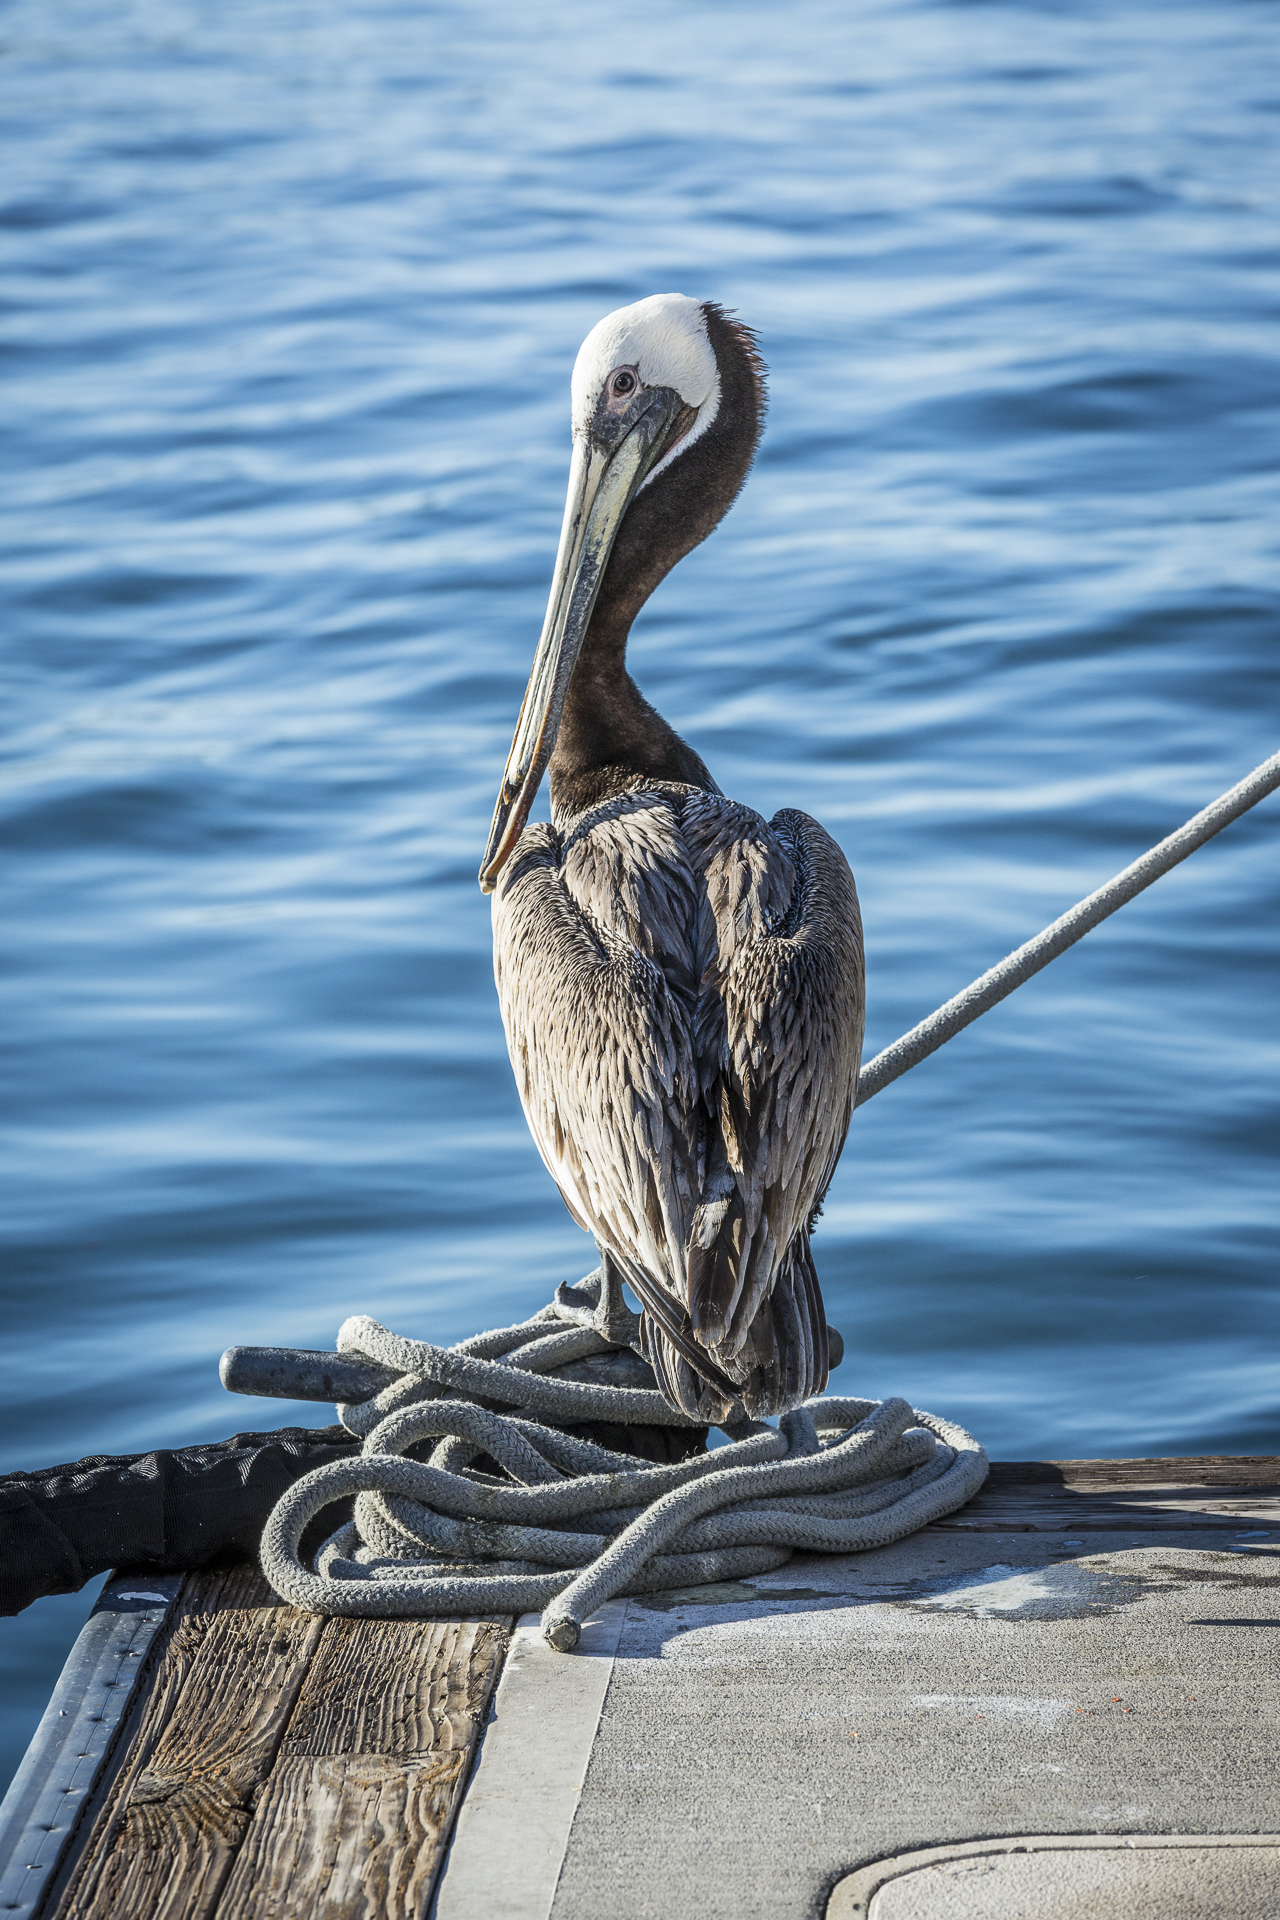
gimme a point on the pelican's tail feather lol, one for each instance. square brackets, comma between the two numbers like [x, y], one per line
[681, 1382]
[783, 1360]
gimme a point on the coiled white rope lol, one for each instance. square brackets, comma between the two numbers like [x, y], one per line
[573, 1524]
[567, 1524]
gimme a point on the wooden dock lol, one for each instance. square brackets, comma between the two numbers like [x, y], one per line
[263, 1764]
[272, 1763]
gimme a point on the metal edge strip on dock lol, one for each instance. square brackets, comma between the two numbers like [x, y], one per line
[76, 1733]
[512, 1832]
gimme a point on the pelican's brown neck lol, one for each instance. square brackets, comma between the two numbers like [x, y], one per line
[608, 731]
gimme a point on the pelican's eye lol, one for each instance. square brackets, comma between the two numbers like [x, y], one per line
[623, 383]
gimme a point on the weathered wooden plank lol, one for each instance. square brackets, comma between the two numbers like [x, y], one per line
[152, 1702]
[1050, 1509]
[397, 1687]
[355, 1819]
[1203, 1470]
[163, 1845]
[347, 1837]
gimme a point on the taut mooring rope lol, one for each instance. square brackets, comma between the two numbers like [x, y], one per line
[992, 987]
[565, 1524]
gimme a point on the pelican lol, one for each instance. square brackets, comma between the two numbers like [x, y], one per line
[681, 982]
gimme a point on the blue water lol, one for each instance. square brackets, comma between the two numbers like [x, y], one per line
[291, 295]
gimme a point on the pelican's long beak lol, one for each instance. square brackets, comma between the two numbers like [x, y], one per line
[603, 481]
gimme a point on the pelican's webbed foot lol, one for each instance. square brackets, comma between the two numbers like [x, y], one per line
[597, 1302]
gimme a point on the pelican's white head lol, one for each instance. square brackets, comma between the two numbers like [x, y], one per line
[646, 385]
[661, 342]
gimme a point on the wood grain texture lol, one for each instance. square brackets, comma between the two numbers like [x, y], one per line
[397, 1687]
[208, 1737]
[157, 1686]
[347, 1837]
[1201, 1470]
[355, 1819]
[1109, 1501]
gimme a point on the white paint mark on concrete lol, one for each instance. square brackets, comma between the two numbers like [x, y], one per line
[1066, 1591]
[999, 1589]
[513, 1830]
[999, 1706]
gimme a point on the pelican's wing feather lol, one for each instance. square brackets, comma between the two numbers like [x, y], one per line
[600, 1036]
[681, 986]
[780, 1039]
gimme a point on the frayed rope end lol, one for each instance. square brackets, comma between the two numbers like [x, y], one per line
[562, 1632]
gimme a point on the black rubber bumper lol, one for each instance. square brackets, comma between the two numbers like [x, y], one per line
[169, 1510]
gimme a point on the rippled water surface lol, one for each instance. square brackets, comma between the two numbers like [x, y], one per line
[291, 295]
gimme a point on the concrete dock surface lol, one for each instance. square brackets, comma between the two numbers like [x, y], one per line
[775, 1748]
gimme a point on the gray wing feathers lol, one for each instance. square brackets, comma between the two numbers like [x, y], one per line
[601, 1050]
[788, 989]
[682, 992]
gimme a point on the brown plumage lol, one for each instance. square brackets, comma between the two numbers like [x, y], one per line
[681, 982]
